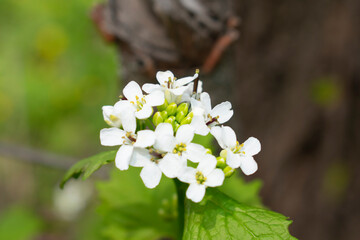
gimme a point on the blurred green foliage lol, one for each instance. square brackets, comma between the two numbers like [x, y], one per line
[55, 74]
[19, 223]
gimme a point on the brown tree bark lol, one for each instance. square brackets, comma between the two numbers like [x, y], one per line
[289, 55]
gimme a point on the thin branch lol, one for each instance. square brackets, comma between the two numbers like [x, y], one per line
[36, 156]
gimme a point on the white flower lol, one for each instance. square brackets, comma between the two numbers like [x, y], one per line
[206, 117]
[237, 155]
[189, 93]
[111, 116]
[205, 175]
[142, 105]
[157, 160]
[128, 141]
[181, 144]
[172, 88]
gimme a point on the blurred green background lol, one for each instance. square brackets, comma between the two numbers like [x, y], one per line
[55, 74]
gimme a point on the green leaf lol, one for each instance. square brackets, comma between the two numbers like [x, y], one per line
[88, 166]
[132, 211]
[241, 191]
[220, 217]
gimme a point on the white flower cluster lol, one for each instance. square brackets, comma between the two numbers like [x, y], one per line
[166, 146]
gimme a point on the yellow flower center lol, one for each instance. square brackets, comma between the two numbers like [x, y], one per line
[179, 148]
[200, 178]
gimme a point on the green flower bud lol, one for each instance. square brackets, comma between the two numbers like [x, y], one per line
[186, 120]
[170, 120]
[228, 171]
[208, 151]
[176, 126]
[184, 107]
[191, 114]
[171, 109]
[221, 162]
[223, 153]
[164, 114]
[157, 119]
[163, 107]
[180, 116]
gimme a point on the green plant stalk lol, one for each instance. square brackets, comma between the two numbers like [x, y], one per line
[180, 190]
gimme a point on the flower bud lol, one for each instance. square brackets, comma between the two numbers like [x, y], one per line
[157, 118]
[180, 116]
[223, 153]
[171, 109]
[164, 114]
[221, 162]
[170, 120]
[228, 171]
[184, 107]
[163, 107]
[208, 151]
[176, 126]
[186, 120]
[191, 114]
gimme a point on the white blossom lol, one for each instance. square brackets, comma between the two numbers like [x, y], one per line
[205, 175]
[128, 140]
[206, 117]
[237, 155]
[158, 160]
[111, 116]
[172, 88]
[142, 104]
[181, 144]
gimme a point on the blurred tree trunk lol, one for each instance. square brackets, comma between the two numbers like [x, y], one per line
[293, 79]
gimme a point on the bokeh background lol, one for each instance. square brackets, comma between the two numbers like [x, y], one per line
[292, 76]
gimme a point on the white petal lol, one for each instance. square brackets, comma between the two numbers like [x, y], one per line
[205, 100]
[165, 144]
[194, 152]
[111, 136]
[178, 91]
[217, 133]
[187, 175]
[123, 157]
[129, 121]
[223, 111]
[131, 90]
[233, 160]
[251, 147]
[140, 157]
[185, 80]
[228, 136]
[170, 165]
[110, 117]
[184, 134]
[150, 87]
[145, 112]
[155, 98]
[207, 165]
[145, 138]
[162, 77]
[151, 175]
[164, 129]
[198, 123]
[195, 192]
[215, 178]
[197, 107]
[248, 165]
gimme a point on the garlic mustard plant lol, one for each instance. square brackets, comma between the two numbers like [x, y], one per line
[155, 131]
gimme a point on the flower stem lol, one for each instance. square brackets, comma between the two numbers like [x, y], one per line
[180, 189]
